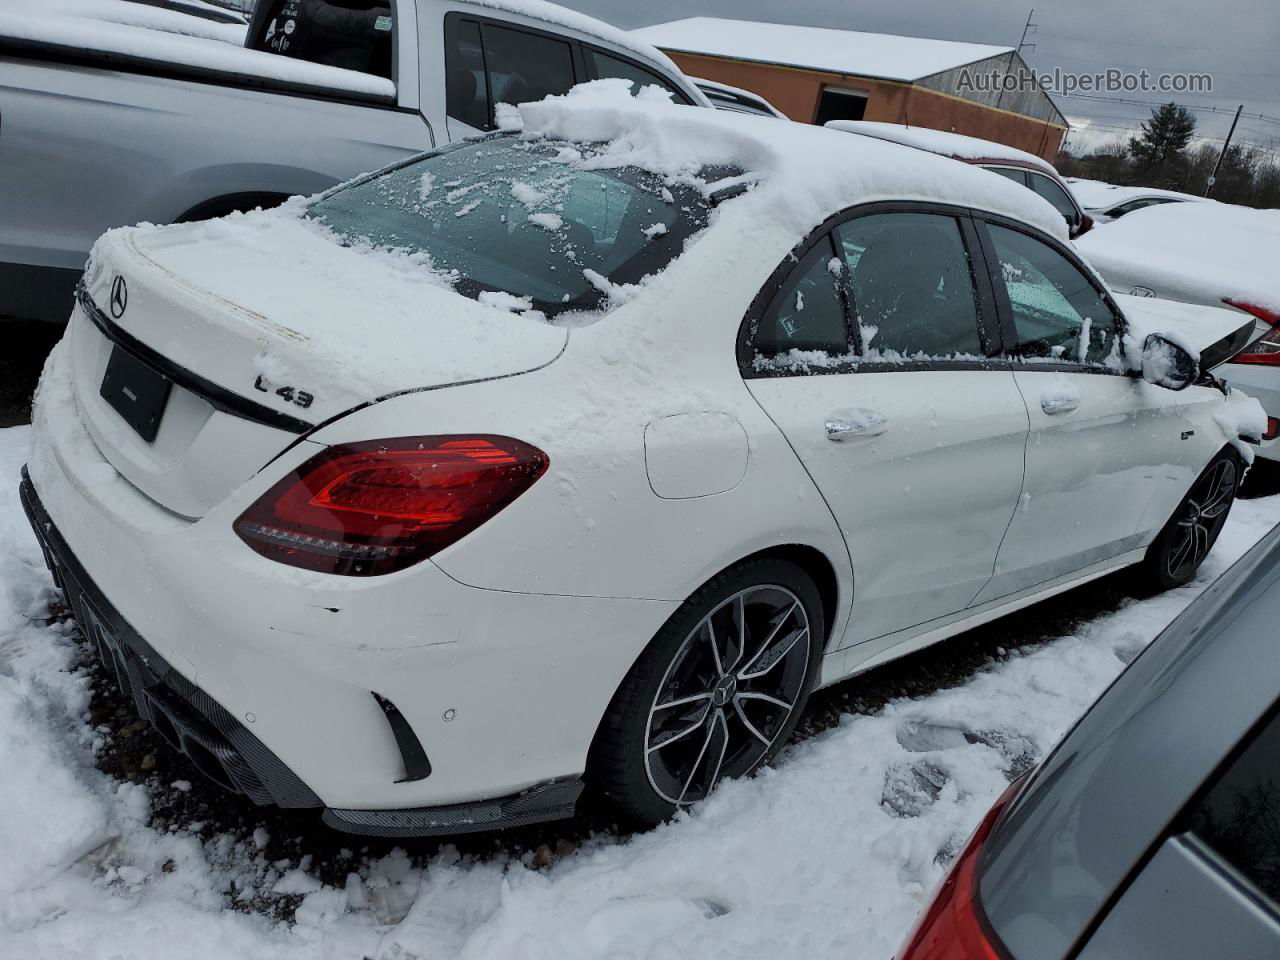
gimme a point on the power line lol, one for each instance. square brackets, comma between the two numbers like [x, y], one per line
[1140, 43]
[1156, 103]
[1150, 69]
[1264, 148]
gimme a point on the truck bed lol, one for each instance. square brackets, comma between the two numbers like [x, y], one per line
[91, 42]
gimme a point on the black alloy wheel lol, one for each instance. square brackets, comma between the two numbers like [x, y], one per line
[1185, 541]
[717, 692]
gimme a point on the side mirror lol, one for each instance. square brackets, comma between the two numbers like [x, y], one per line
[1168, 365]
[1084, 226]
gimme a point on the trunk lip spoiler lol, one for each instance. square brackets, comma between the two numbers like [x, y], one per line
[218, 397]
[1224, 349]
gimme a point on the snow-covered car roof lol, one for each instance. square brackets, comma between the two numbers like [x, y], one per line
[803, 173]
[716, 86]
[881, 55]
[1100, 195]
[940, 141]
[1209, 251]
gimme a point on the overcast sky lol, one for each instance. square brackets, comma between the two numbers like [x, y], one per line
[1234, 40]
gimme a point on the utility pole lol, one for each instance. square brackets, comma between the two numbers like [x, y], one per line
[1213, 177]
[1022, 42]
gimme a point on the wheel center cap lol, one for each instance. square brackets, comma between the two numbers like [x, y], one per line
[723, 691]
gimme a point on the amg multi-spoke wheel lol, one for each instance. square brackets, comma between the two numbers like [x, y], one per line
[716, 693]
[1176, 554]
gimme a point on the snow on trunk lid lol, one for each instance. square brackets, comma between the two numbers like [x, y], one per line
[267, 328]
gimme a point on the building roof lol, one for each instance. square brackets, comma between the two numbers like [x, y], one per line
[880, 56]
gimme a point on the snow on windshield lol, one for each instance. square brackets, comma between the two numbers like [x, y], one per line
[529, 225]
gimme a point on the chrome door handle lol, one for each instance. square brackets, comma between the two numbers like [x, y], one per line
[849, 424]
[1056, 405]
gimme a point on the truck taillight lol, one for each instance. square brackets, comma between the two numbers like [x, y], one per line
[1264, 351]
[954, 925]
[365, 509]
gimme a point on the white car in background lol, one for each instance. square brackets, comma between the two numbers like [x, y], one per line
[1105, 202]
[735, 99]
[1026, 169]
[1212, 254]
[591, 450]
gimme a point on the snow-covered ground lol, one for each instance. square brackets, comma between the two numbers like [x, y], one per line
[829, 854]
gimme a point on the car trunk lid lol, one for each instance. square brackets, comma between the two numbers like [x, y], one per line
[262, 334]
[1216, 334]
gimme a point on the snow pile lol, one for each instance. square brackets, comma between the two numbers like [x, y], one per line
[1242, 418]
[828, 855]
[805, 173]
[1205, 252]
[163, 36]
[142, 15]
[941, 142]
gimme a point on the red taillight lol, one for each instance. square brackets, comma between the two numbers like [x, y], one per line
[1273, 429]
[954, 926]
[1264, 351]
[1270, 317]
[364, 509]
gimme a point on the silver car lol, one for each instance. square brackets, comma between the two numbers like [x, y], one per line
[1152, 832]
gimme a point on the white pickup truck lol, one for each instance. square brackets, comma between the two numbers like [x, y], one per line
[113, 112]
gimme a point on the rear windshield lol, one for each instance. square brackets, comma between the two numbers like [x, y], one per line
[352, 34]
[529, 221]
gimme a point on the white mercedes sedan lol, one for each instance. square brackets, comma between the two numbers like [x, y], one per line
[581, 454]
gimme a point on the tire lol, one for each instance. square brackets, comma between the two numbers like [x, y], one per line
[1186, 539]
[690, 713]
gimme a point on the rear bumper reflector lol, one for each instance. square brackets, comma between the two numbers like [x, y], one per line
[416, 764]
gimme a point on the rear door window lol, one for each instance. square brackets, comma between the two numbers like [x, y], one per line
[466, 85]
[525, 66]
[1239, 817]
[351, 34]
[605, 65]
[912, 287]
[1050, 190]
[487, 64]
[805, 323]
[1014, 174]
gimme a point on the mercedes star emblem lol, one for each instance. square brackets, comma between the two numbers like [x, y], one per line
[119, 297]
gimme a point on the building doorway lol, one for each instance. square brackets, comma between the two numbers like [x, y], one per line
[840, 103]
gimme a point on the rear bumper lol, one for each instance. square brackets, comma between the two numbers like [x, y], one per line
[187, 717]
[1263, 384]
[224, 750]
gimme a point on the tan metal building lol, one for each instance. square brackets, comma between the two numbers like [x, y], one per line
[815, 74]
